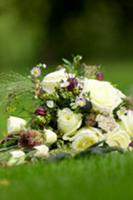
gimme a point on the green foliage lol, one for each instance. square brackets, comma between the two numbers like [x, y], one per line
[16, 94]
[74, 67]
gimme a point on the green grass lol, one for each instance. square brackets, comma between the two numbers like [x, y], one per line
[97, 177]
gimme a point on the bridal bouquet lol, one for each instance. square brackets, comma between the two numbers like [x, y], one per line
[76, 113]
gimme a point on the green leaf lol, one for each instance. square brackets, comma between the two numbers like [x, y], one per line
[67, 62]
[96, 149]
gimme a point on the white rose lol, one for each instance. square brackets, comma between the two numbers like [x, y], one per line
[118, 138]
[50, 136]
[127, 121]
[41, 151]
[104, 96]
[51, 80]
[15, 124]
[85, 138]
[68, 122]
[17, 158]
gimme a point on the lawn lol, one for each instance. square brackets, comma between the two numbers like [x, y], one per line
[97, 177]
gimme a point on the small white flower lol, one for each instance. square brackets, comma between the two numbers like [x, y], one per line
[44, 66]
[17, 158]
[36, 97]
[50, 136]
[15, 124]
[50, 103]
[80, 102]
[70, 75]
[41, 151]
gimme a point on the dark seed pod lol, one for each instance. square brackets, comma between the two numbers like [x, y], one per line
[30, 138]
[41, 111]
[99, 76]
[72, 83]
[131, 144]
[90, 120]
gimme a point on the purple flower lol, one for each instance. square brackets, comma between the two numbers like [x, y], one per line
[81, 102]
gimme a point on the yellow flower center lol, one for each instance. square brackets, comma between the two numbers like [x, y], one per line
[85, 142]
[35, 71]
[81, 103]
[68, 116]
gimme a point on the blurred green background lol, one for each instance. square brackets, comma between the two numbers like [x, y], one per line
[47, 30]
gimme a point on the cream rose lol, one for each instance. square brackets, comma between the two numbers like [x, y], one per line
[51, 80]
[127, 121]
[118, 138]
[50, 136]
[104, 96]
[17, 158]
[85, 138]
[15, 124]
[41, 151]
[68, 122]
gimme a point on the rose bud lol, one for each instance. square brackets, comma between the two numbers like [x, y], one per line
[41, 111]
[99, 76]
[72, 83]
[50, 136]
[131, 144]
